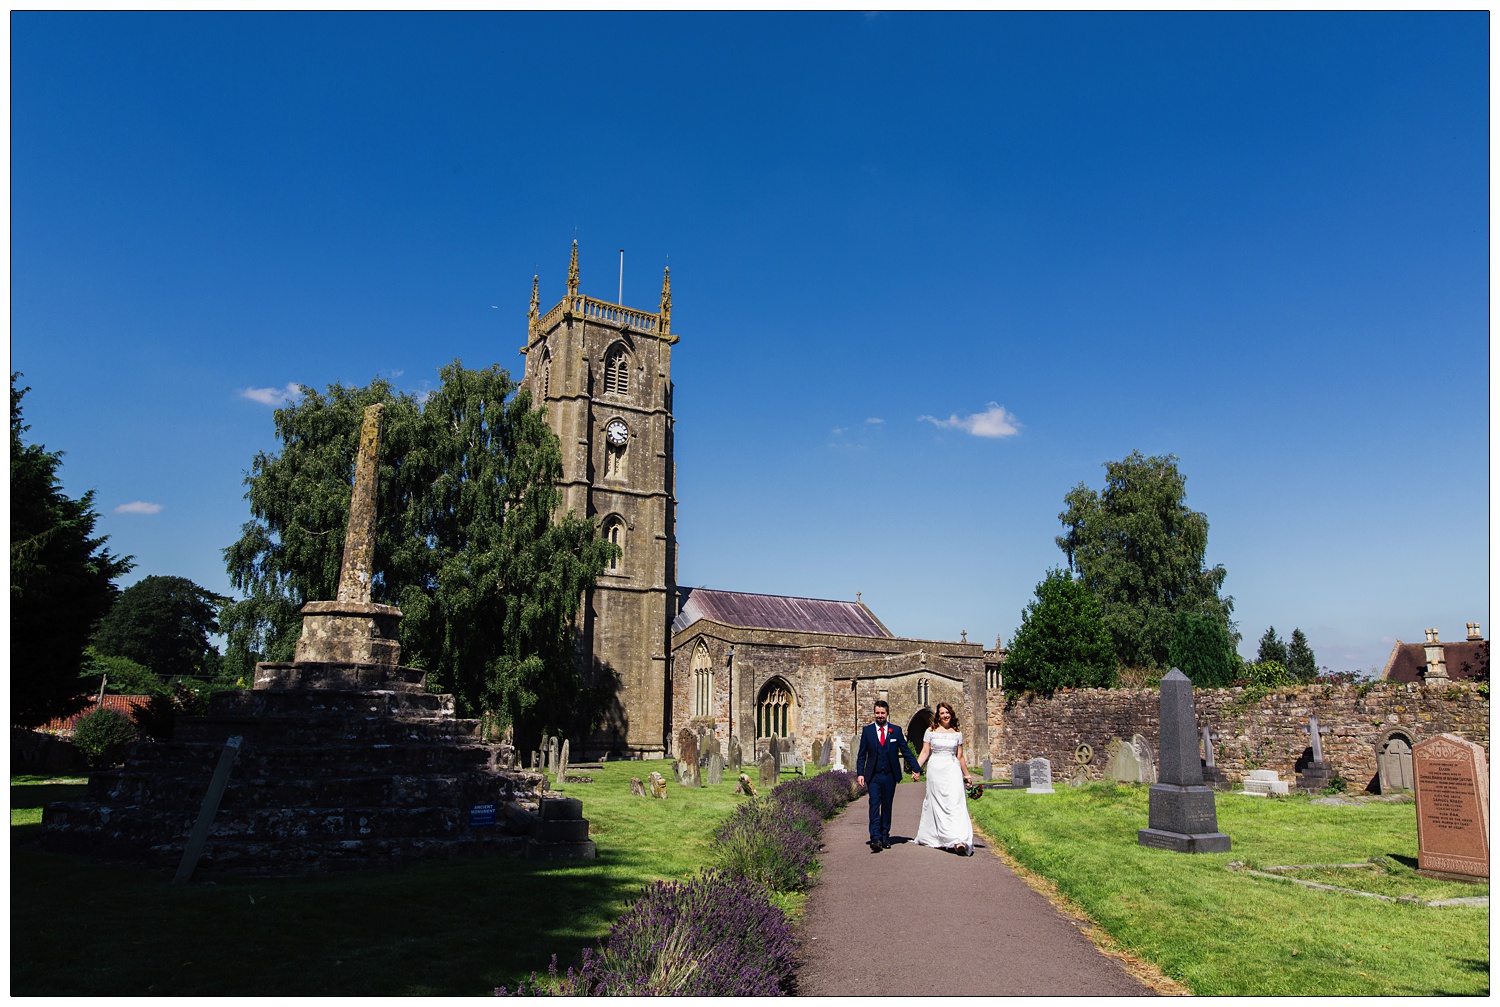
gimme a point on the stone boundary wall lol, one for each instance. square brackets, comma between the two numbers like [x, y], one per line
[1265, 733]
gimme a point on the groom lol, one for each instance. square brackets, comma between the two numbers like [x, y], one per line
[881, 750]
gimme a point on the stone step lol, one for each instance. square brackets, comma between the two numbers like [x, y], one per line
[575, 831]
[186, 792]
[561, 809]
[284, 762]
[319, 729]
[276, 703]
[323, 676]
[539, 850]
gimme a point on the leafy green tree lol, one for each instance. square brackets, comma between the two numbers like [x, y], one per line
[1140, 550]
[1272, 648]
[1062, 642]
[61, 581]
[1301, 664]
[1204, 649]
[1272, 674]
[163, 623]
[488, 578]
[101, 735]
[123, 677]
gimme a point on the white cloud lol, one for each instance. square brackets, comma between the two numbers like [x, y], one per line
[996, 421]
[273, 396]
[838, 431]
[874, 419]
[138, 507]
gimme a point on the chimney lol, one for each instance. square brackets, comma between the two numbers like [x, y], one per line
[1474, 634]
[1437, 667]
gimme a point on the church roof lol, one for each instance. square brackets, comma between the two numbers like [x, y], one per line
[1465, 660]
[774, 611]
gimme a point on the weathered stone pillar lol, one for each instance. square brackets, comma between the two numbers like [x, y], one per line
[1182, 816]
[351, 630]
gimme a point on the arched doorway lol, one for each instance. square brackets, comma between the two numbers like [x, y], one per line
[775, 710]
[916, 728]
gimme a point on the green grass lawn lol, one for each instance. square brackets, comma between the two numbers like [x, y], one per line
[457, 927]
[1232, 934]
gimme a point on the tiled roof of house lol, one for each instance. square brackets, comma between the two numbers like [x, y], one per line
[774, 611]
[120, 704]
[1464, 660]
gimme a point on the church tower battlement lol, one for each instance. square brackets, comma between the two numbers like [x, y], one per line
[603, 372]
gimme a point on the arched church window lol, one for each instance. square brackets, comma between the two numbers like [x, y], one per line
[617, 372]
[923, 693]
[614, 533]
[703, 682]
[773, 712]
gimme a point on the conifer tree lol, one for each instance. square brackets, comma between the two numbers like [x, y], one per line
[1300, 662]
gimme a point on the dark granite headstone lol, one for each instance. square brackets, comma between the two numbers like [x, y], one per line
[988, 768]
[1318, 774]
[1181, 816]
[1020, 774]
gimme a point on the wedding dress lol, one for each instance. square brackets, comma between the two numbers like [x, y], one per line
[945, 810]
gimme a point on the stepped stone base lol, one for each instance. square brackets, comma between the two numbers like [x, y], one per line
[343, 765]
[1316, 777]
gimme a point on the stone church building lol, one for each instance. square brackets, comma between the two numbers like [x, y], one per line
[715, 662]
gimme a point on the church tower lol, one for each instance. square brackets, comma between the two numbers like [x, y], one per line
[603, 371]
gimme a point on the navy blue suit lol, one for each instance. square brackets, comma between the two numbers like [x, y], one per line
[880, 765]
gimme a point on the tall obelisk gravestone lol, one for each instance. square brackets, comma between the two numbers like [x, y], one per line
[1182, 814]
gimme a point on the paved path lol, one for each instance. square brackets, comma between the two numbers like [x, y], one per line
[913, 920]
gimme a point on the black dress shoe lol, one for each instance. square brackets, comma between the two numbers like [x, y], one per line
[885, 843]
[875, 846]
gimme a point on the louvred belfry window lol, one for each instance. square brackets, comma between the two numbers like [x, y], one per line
[616, 373]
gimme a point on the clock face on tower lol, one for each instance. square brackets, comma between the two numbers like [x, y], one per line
[617, 432]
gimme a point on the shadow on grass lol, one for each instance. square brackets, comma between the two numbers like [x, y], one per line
[455, 927]
[1404, 861]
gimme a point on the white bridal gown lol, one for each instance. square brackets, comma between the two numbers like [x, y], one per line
[945, 811]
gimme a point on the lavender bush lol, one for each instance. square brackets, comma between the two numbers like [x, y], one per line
[714, 935]
[770, 844]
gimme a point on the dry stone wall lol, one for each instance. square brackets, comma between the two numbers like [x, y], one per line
[1267, 732]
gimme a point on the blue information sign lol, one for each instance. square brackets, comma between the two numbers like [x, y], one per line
[481, 814]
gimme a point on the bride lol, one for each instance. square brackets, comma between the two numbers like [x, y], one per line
[945, 812]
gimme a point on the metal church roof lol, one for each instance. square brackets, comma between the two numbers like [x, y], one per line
[774, 611]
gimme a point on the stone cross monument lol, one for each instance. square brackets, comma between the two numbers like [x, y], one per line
[352, 630]
[1318, 774]
[1182, 815]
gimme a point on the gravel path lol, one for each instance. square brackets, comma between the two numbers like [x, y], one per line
[913, 920]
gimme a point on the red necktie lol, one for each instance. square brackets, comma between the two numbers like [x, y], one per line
[882, 737]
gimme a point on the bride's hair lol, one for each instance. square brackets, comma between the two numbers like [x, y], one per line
[952, 716]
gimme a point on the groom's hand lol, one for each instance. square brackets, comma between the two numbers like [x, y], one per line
[860, 780]
[914, 777]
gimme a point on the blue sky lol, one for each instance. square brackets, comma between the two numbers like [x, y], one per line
[930, 272]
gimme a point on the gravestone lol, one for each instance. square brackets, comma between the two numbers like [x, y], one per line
[839, 751]
[1181, 815]
[714, 774]
[1264, 783]
[744, 786]
[562, 763]
[1213, 776]
[1453, 807]
[768, 770]
[793, 759]
[637, 788]
[988, 768]
[736, 758]
[1122, 765]
[687, 758]
[658, 786]
[1020, 774]
[1394, 761]
[552, 755]
[817, 752]
[1147, 757]
[1318, 774]
[1039, 772]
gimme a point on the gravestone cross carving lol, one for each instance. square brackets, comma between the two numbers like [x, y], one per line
[1317, 743]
